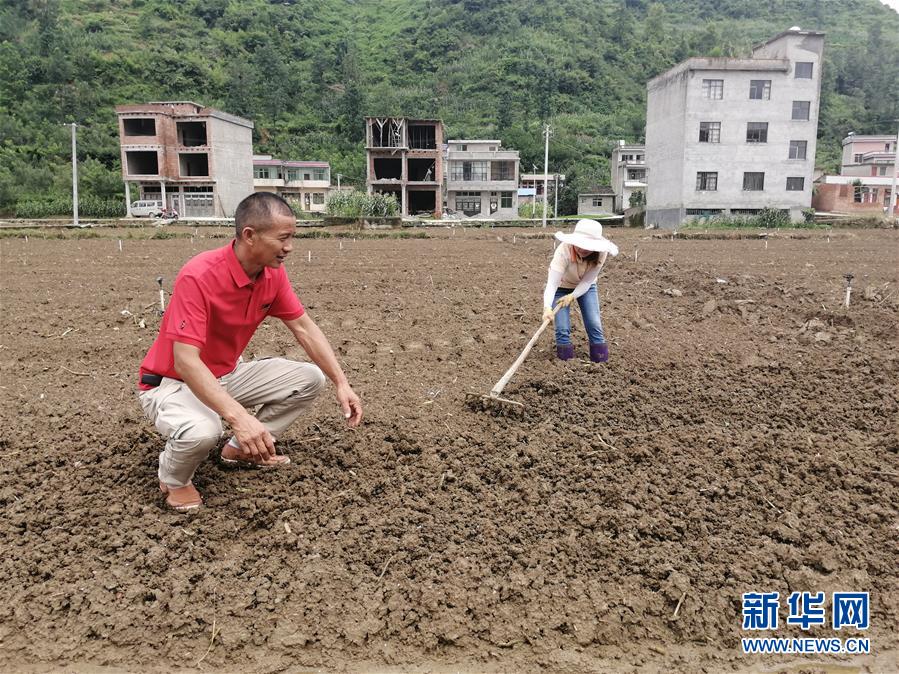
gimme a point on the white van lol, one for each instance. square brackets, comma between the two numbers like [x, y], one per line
[146, 209]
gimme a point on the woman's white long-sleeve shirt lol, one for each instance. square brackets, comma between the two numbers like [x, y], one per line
[567, 270]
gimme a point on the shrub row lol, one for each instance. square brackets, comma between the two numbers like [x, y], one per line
[91, 207]
[353, 204]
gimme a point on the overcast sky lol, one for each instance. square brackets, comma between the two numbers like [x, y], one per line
[891, 3]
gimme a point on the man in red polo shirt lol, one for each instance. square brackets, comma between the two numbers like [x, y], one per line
[193, 375]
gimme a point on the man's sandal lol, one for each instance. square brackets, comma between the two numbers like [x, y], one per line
[181, 499]
[237, 458]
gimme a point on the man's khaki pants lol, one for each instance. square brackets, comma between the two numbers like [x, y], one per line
[283, 388]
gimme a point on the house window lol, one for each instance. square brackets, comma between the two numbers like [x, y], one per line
[713, 89]
[707, 181]
[883, 170]
[757, 132]
[639, 157]
[505, 199]
[597, 202]
[886, 147]
[857, 159]
[463, 148]
[318, 174]
[293, 174]
[469, 170]
[753, 182]
[795, 184]
[468, 202]
[502, 170]
[318, 197]
[797, 149]
[804, 70]
[760, 89]
[859, 194]
[261, 172]
[710, 132]
[800, 110]
[636, 174]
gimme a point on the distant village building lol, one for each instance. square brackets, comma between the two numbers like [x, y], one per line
[193, 159]
[404, 158]
[600, 200]
[866, 179]
[530, 189]
[735, 135]
[305, 184]
[628, 170]
[482, 179]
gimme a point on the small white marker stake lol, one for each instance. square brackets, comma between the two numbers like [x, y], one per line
[341, 244]
[766, 244]
[309, 257]
[26, 238]
[636, 253]
[848, 278]
[161, 295]
[120, 245]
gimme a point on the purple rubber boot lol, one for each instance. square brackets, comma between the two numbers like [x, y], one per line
[599, 353]
[565, 351]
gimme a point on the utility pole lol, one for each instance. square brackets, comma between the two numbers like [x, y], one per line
[892, 213]
[74, 175]
[339, 176]
[547, 131]
[556, 195]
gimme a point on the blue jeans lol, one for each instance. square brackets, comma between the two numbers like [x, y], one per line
[589, 303]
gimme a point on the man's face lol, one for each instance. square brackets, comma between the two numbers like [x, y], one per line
[272, 245]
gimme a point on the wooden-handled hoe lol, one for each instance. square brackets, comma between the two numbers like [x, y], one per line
[492, 402]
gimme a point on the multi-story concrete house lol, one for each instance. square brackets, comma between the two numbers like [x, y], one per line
[627, 166]
[735, 135]
[482, 179]
[306, 184]
[867, 177]
[404, 158]
[193, 159]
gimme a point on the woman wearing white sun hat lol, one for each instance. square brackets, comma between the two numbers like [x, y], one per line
[572, 276]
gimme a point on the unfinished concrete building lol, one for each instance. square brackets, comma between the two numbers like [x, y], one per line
[193, 159]
[403, 158]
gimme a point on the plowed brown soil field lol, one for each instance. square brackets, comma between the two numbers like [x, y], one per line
[743, 437]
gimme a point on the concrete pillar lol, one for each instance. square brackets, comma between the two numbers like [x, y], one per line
[162, 186]
[127, 199]
[404, 208]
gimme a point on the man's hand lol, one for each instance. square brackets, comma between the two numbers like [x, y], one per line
[548, 314]
[253, 437]
[350, 404]
[565, 300]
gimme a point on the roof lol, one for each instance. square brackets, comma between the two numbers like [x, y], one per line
[180, 109]
[268, 161]
[855, 138]
[791, 31]
[603, 190]
[722, 63]
[850, 180]
[498, 142]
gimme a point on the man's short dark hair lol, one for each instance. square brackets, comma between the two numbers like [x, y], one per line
[257, 210]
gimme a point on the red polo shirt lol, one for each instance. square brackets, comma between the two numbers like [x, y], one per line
[217, 308]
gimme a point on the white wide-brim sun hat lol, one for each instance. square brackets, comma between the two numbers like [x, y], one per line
[587, 234]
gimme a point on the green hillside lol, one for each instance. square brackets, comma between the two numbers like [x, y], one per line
[306, 72]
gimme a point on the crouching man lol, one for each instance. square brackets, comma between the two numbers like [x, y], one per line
[193, 376]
